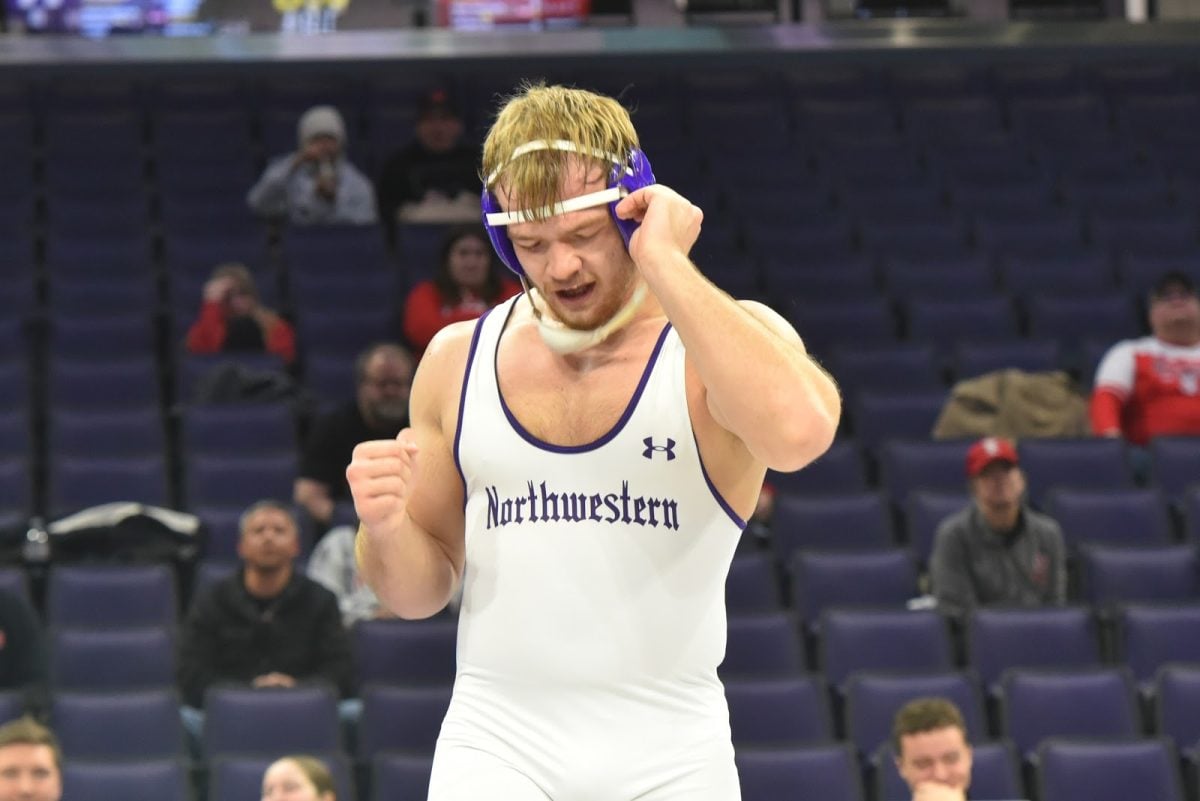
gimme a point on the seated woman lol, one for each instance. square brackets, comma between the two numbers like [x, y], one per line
[468, 282]
[298, 778]
[232, 319]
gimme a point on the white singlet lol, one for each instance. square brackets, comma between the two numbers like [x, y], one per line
[593, 612]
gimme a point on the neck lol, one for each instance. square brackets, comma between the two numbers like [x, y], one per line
[1184, 338]
[566, 341]
[267, 583]
[1001, 520]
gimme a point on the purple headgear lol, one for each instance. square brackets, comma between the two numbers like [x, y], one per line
[628, 175]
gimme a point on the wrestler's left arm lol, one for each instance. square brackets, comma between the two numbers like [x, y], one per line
[759, 380]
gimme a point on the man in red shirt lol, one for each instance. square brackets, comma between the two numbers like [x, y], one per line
[1150, 386]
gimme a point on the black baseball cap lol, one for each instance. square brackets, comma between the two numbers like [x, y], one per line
[1172, 282]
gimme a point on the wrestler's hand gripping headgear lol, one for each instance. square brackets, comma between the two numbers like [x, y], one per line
[627, 175]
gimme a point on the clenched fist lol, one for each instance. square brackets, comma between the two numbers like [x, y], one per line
[381, 476]
[670, 223]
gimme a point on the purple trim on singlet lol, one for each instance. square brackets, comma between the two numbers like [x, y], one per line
[616, 429]
[717, 496]
[462, 400]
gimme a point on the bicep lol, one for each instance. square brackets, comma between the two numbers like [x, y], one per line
[774, 322]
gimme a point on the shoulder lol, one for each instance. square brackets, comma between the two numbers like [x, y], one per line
[217, 600]
[440, 372]
[1042, 524]
[770, 318]
[344, 415]
[280, 161]
[424, 290]
[1129, 347]
[956, 525]
[314, 592]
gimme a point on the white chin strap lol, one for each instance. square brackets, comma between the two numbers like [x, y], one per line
[565, 340]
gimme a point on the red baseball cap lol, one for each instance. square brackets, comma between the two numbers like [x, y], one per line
[987, 451]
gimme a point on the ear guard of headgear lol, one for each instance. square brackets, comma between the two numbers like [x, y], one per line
[627, 176]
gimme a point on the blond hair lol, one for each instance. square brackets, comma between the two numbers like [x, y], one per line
[316, 771]
[27, 731]
[592, 123]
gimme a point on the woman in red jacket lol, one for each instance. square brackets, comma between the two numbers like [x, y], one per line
[232, 319]
[467, 283]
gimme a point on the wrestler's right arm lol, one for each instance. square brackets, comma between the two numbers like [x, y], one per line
[408, 493]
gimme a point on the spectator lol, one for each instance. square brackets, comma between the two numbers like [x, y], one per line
[315, 185]
[997, 550]
[468, 282]
[265, 626]
[435, 177]
[22, 649]
[30, 762]
[298, 778]
[929, 742]
[383, 375]
[1150, 386]
[333, 565]
[232, 319]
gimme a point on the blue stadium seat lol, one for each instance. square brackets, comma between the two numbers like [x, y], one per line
[108, 659]
[1174, 463]
[873, 699]
[404, 719]
[821, 580]
[1151, 636]
[778, 712]
[1108, 771]
[127, 433]
[1140, 573]
[244, 720]
[829, 772]
[1097, 464]
[839, 470]
[85, 595]
[924, 512]
[880, 416]
[406, 652]
[1113, 516]
[79, 483]
[763, 645]
[239, 429]
[138, 780]
[752, 585]
[1096, 703]
[400, 777]
[830, 522]
[1002, 638]
[147, 722]
[855, 640]
[923, 465]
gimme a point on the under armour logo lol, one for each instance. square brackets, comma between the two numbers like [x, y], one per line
[668, 449]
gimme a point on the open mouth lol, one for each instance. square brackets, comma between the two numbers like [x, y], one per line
[575, 293]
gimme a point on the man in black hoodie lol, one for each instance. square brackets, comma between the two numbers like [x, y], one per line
[435, 177]
[265, 626]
